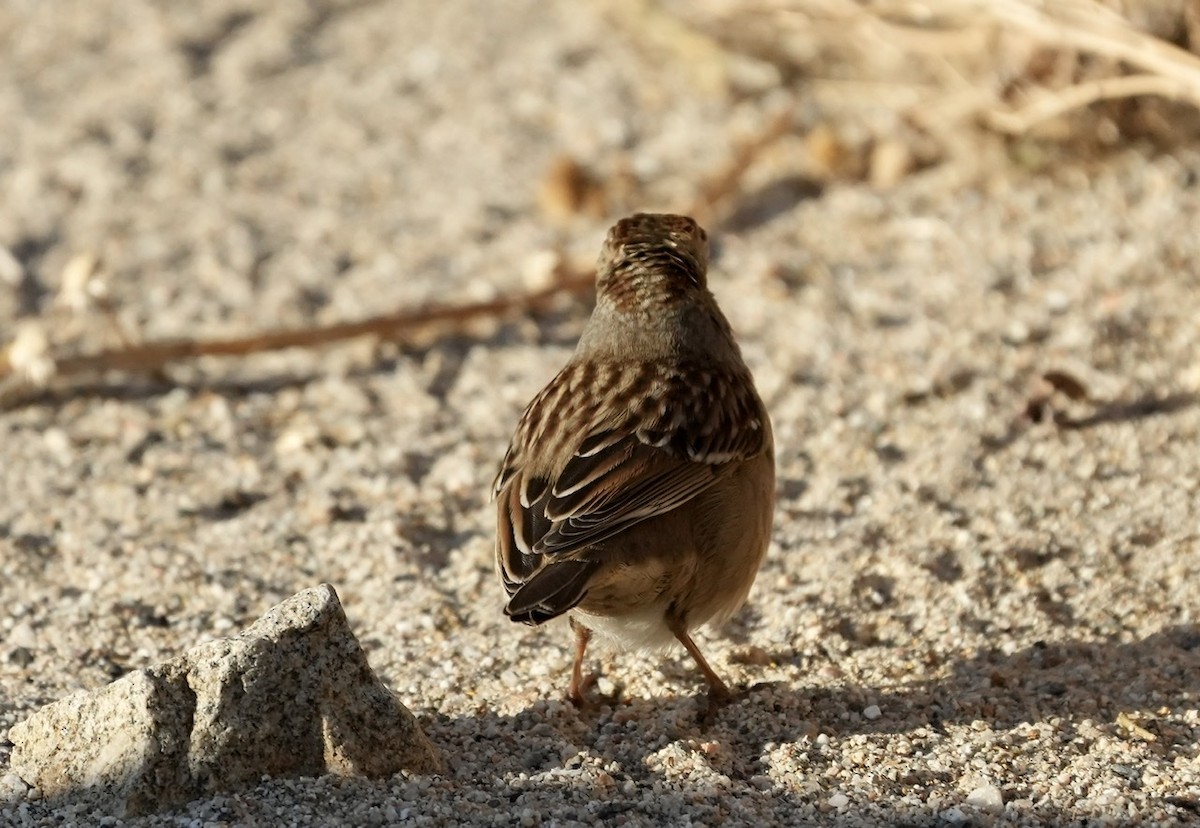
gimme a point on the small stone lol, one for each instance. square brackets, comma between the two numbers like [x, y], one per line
[29, 353]
[986, 798]
[839, 801]
[890, 161]
[20, 656]
[22, 635]
[872, 712]
[11, 271]
[953, 815]
[297, 437]
[79, 283]
[58, 444]
[1057, 301]
[605, 686]
[291, 696]
[1017, 333]
[540, 269]
[12, 787]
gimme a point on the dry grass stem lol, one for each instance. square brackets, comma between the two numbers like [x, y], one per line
[152, 357]
[1061, 101]
[968, 49]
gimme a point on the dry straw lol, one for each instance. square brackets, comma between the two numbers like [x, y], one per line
[969, 58]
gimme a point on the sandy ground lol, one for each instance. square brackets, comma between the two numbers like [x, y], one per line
[964, 618]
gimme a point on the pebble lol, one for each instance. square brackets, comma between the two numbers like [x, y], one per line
[953, 815]
[986, 798]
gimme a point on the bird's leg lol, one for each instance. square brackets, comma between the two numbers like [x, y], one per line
[577, 690]
[718, 690]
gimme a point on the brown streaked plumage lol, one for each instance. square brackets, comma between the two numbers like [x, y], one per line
[638, 490]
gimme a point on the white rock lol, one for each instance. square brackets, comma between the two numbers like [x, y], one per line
[986, 798]
[22, 635]
[12, 787]
[291, 696]
[839, 801]
[872, 712]
[953, 815]
[11, 271]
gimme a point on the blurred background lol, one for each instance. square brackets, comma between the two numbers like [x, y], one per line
[236, 165]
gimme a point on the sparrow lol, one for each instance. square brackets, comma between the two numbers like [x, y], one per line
[637, 493]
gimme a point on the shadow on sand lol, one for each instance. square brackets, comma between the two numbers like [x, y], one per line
[1064, 682]
[1060, 682]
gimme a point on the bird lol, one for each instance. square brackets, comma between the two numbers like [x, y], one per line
[638, 490]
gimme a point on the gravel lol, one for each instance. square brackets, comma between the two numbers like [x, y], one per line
[966, 616]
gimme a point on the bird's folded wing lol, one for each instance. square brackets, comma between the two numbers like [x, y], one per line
[624, 473]
[600, 495]
[597, 496]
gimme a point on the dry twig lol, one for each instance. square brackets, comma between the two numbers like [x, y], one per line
[152, 357]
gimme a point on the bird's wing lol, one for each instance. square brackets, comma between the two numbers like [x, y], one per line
[682, 430]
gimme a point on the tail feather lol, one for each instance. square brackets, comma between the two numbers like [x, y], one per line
[552, 591]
